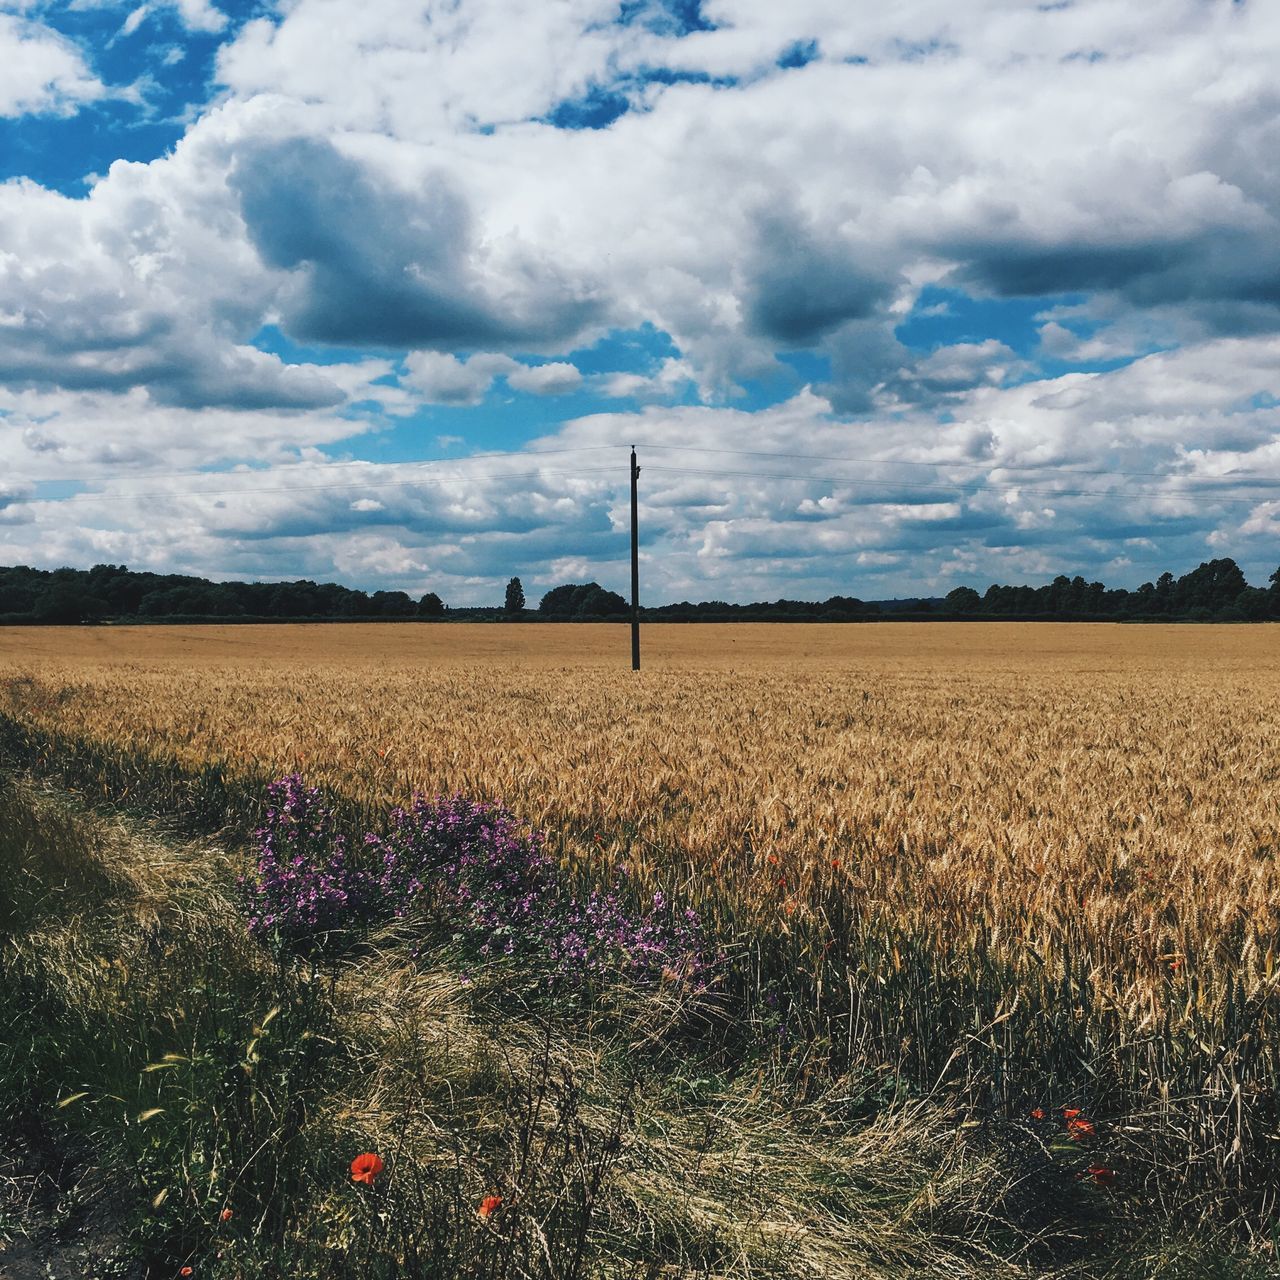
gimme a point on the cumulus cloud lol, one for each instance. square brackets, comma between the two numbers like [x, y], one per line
[372, 264]
[671, 379]
[555, 378]
[801, 285]
[44, 72]
[440, 378]
[771, 186]
[195, 15]
[1009, 488]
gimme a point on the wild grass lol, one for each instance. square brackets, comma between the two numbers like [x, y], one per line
[1019, 867]
[213, 1099]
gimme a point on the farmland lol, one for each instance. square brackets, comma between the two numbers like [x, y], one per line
[1015, 867]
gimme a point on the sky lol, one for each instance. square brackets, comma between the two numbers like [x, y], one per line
[889, 298]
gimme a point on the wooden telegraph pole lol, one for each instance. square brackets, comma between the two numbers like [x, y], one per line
[635, 567]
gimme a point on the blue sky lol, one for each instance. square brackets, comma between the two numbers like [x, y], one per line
[891, 301]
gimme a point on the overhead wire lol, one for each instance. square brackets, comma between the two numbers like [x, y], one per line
[319, 488]
[329, 464]
[849, 481]
[439, 466]
[912, 462]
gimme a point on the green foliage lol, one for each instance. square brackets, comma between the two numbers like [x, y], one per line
[586, 601]
[68, 596]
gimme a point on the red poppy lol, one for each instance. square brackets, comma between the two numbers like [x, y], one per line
[1070, 1112]
[1078, 1129]
[488, 1205]
[1103, 1176]
[186, 1271]
[366, 1167]
[1037, 1113]
[225, 1215]
[835, 862]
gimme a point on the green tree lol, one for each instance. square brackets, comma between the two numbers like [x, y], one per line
[963, 600]
[514, 603]
[583, 600]
[431, 606]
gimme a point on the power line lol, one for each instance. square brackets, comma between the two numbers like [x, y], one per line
[328, 465]
[950, 487]
[352, 486]
[958, 486]
[906, 462]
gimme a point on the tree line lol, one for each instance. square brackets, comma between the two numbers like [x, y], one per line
[1216, 591]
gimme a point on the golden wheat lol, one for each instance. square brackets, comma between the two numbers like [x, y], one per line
[1105, 788]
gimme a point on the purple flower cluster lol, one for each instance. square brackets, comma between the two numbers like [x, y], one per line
[601, 934]
[467, 864]
[465, 867]
[303, 890]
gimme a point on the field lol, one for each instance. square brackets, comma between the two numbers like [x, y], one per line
[1009, 868]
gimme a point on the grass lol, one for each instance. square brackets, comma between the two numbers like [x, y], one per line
[185, 1073]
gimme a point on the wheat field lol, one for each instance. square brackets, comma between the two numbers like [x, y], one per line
[1108, 786]
[1044, 851]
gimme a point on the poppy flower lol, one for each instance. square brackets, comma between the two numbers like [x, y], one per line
[366, 1167]
[225, 1216]
[1078, 1129]
[186, 1271]
[1070, 1113]
[1037, 1113]
[1103, 1176]
[488, 1205]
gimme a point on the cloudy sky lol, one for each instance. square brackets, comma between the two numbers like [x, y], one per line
[891, 297]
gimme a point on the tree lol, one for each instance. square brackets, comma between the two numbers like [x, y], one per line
[392, 604]
[1213, 586]
[431, 606]
[963, 600]
[514, 604]
[583, 600]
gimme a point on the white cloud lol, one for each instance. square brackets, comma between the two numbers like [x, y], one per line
[444, 379]
[384, 176]
[556, 378]
[44, 73]
[1008, 489]
[671, 379]
[134, 20]
[195, 15]
[200, 15]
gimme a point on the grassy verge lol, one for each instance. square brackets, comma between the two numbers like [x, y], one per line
[202, 1105]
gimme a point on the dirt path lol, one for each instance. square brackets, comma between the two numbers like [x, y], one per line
[52, 1225]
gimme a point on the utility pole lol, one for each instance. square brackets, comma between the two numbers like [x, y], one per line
[635, 567]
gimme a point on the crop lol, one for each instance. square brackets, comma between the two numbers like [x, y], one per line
[1031, 864]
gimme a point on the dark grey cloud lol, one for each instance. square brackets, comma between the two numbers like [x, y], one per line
[1225, 281]
[802, 284]
[378, 266]
[241, 378]
[1010, 269]
[864, 356]
[190, 371]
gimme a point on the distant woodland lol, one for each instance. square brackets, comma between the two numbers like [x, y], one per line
[1216, 591]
